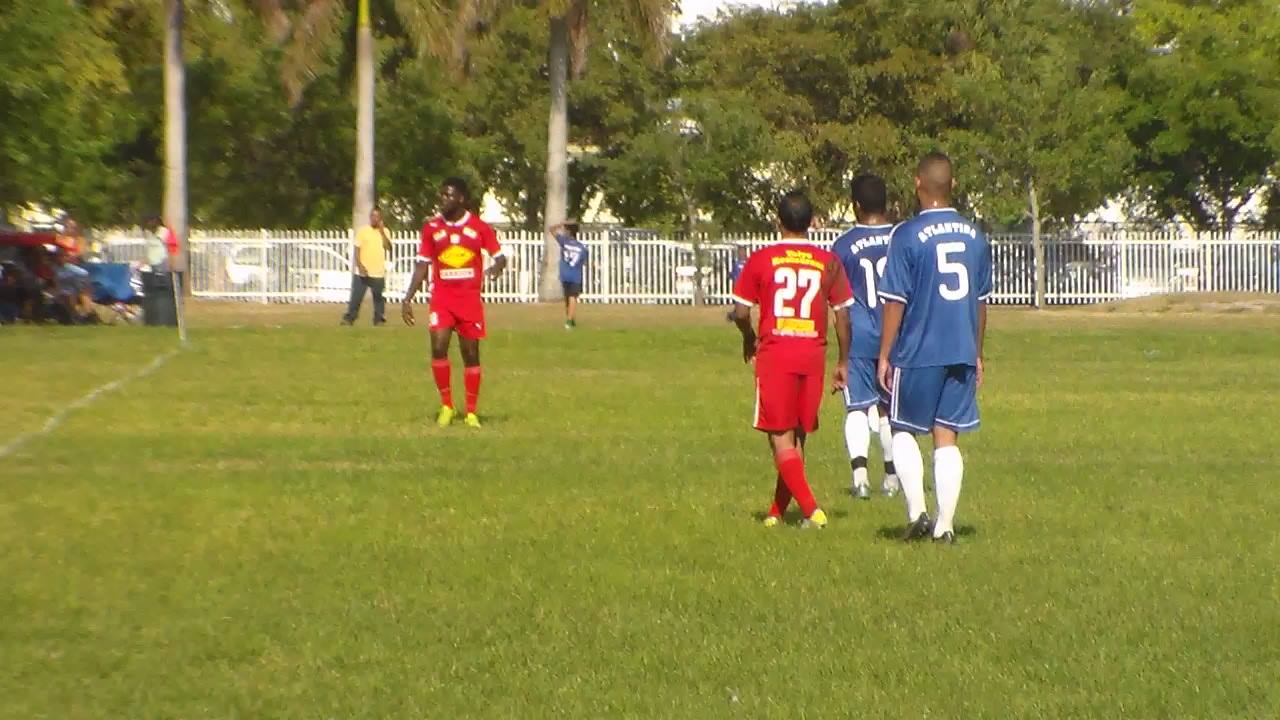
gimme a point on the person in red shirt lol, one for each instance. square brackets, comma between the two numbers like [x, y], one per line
[795, 284]
[452, 243]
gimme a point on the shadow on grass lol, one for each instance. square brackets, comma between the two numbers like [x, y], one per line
[894, 532]
[794, 516]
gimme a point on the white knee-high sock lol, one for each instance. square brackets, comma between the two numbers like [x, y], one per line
[906, 454]
[886, 444]
[857, 438]
[948, 474]
[873, 418]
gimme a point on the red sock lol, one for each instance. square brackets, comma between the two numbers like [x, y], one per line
[791, 468]
[471, 378]
[440, 369]
[781, 499]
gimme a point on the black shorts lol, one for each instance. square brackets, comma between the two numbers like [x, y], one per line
[572, 289]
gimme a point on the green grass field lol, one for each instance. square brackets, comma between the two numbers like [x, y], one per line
[268, 527]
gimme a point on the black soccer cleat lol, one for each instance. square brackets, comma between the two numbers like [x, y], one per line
[918, 529]
[946, 538]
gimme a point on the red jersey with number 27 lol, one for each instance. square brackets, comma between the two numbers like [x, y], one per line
[795, 285]
[454, 251]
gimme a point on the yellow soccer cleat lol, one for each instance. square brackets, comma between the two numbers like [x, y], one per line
[445, 416]
[772, 521]
[471, 421]
[817, 520]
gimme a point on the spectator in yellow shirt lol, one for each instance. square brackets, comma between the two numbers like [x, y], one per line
[372, 246]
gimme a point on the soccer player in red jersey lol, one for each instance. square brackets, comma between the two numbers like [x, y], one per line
[795, 284]
[451, 248]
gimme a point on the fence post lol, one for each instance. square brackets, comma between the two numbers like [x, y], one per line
[606, 269]
[263, 264]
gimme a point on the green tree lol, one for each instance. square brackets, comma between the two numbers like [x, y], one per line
[63, 107]
[1206, 106]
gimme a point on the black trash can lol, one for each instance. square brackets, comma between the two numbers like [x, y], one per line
[158, 307]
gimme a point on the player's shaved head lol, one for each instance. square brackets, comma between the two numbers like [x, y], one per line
[795, 212]
[933, 176]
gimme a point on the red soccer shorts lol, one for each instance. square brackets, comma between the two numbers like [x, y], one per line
[788, 393]
[462, 314]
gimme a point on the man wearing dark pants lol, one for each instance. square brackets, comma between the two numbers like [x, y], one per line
[370, 259]
[573, 260]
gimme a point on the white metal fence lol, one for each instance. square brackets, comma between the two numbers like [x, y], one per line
[637, 266]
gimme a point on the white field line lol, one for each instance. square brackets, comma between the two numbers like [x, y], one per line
[57, 418]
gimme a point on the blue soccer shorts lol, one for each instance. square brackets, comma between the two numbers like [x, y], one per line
[927, 396]
[863, 389]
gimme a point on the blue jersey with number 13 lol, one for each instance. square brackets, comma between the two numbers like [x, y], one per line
[862, 252]
[940, 266]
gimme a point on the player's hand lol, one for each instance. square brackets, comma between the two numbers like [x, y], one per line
[406, 312]
[840, 379]
[748, 348]
[979, 373]
[883, 371]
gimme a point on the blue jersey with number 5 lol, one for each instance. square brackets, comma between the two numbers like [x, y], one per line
[861, 251]
[940, 266]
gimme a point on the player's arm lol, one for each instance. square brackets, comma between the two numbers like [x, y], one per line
[742, 318]
[840, 299]
[894, 295]
[420, 270]
[890, 324]
[746, 293]
[495, 251]
[982, 336]
[386, 239]
[844, 336]
[984, 294]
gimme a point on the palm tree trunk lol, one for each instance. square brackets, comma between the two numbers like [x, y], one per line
[557, 207]
[362, 201]
[1037, 244]
[175, 130]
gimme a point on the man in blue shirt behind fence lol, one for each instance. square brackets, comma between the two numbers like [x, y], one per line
[573, 263]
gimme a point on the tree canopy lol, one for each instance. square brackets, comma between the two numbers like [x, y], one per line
[1172, 104]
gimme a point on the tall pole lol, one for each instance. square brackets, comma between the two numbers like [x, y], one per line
[557, 208]
[175, 131]
[1037, 243]
[362, 202]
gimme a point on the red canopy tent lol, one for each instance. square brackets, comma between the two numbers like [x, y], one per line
[22, 239]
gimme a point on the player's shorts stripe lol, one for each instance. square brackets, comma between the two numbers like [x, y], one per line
[956, 425]
[743, 301]
[423, 259]
[847, 303]
[984, 298]
[500, 253]
[897, 375]
[891, 296]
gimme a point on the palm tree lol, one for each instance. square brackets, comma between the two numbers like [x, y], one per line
[441, 28]
[311, 26]
[568, 46]
[175, 128]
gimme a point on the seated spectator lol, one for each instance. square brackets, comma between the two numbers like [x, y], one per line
[71, 241]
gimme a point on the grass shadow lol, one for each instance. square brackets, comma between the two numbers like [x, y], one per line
[894, 532]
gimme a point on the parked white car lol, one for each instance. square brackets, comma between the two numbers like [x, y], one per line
[317, 272]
